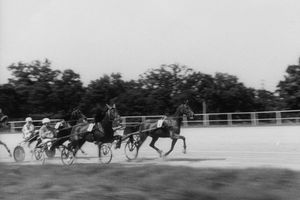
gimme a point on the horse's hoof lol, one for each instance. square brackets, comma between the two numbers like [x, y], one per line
[160, 153]
[184, 151]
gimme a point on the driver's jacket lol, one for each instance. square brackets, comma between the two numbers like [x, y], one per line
[46, 132]
[27, 130]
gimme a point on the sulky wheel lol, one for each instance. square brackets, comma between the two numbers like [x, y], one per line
[50, 152]
[19, 154]
[38, 153]
[67, 156]
[131, 150]
[105, 153]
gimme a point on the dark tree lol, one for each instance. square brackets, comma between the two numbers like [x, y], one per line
[289, 88]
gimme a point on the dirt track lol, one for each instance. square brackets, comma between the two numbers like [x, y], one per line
[237, 147]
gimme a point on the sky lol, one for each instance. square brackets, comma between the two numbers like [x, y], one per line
[254, 40]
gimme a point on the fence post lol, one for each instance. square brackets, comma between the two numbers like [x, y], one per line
[229, 119]
[12, 127]
[185, 123]
[278, 118]
[253, 119]
[206, 119]
[123, 121]
[143, 119]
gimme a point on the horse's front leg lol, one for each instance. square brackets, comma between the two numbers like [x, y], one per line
[184, 144]
[174, 140]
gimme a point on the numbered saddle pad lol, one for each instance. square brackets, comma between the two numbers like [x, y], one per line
[90, 128]
[160, 123]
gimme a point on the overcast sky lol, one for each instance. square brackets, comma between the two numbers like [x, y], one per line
[253, 39]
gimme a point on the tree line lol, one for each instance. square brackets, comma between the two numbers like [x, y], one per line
[37, 90]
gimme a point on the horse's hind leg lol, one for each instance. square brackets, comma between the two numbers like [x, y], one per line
[7, 149]
[152, 144]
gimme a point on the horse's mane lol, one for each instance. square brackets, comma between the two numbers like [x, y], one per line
[99, 114]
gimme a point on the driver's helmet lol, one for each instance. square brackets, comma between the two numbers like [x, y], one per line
[28, 119]
[45, 120]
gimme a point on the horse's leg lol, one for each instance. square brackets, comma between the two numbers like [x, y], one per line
[83, 152]
[184, 144]
[99, 148]
[172, 146]
[81, 142]
[7, 149]
[152, 144]
[119, 141]
[177, 136]
[174, 138]
[79, 145]
[143, 137]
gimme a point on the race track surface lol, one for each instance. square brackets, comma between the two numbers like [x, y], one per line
[226, 147]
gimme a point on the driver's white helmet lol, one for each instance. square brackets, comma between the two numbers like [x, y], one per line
[28, 119]
[45, 120]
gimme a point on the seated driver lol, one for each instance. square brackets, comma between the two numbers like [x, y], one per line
[28, 131]
[46, 132]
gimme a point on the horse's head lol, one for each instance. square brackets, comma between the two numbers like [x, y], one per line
[112, 113]
[184, 109]
[77, 116]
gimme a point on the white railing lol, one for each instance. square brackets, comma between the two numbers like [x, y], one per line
[285, 117]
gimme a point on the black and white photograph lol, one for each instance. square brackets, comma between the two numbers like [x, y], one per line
[149, 99]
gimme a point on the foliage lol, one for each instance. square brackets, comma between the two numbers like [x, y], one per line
[289, 88]
[9, 100]
[38, 90]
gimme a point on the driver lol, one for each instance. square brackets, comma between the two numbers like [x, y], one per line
[46, 132]
[28, 131]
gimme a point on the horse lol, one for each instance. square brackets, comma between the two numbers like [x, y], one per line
[64, 127]
[168, 127]
[101, 131]
[74, 117]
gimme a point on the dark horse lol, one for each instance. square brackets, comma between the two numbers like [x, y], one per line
[169, 127]
[99, 132]
[64, 127]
